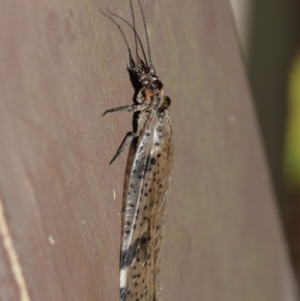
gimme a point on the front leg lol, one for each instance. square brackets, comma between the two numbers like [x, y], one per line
[133, 108]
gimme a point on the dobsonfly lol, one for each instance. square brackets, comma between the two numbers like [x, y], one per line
[148, 186]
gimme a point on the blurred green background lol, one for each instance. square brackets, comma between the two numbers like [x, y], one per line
[269, 33]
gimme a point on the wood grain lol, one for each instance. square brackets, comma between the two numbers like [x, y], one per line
[62, 65]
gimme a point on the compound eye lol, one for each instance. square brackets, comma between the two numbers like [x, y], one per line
[157, 84]
[145, 82]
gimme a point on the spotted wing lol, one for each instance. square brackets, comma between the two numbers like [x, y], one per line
[144, 216]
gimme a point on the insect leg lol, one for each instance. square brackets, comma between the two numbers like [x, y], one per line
[122, 108]
[134, 108]
[126, 142]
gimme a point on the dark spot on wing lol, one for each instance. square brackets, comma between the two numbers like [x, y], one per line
[143, 240]
[153, 161]
[141, 149]
[123, 293]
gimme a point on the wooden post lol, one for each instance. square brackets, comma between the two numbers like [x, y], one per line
[64, 63]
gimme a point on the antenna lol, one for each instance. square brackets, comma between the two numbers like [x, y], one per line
[137, 36]
[118, 26]
[146, 33]
[133, 23]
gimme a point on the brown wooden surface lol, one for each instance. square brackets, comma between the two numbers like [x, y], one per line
[61, 65]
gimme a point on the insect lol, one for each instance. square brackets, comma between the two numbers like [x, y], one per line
[148, 185]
